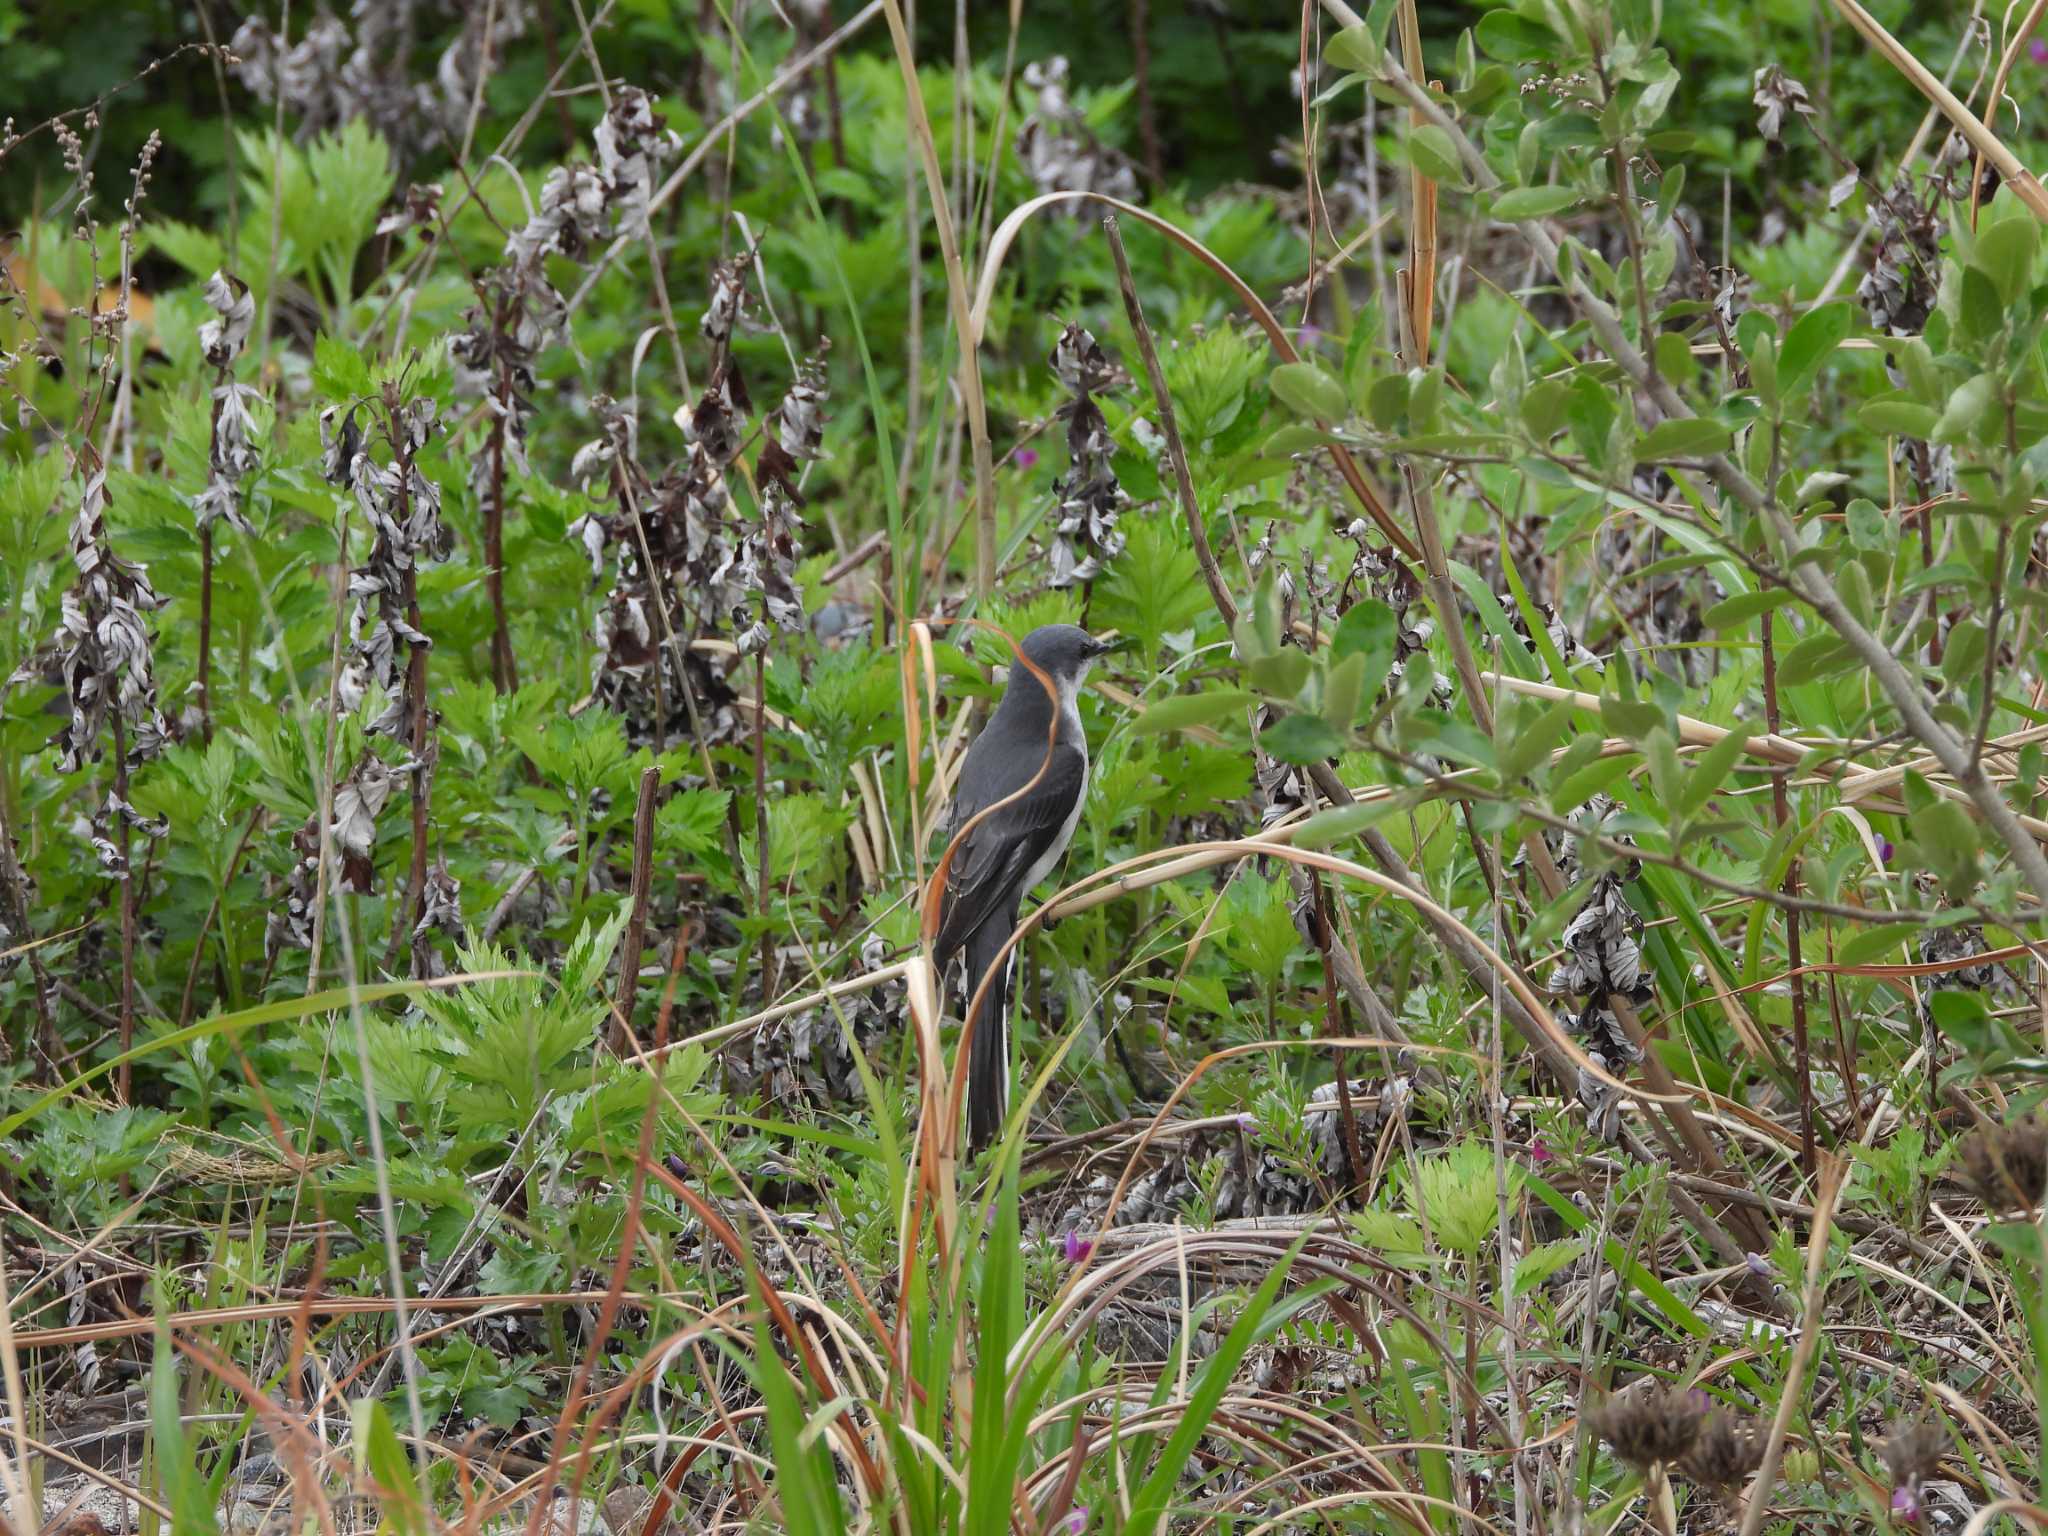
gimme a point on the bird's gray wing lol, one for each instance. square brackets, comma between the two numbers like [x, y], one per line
[1003, 847]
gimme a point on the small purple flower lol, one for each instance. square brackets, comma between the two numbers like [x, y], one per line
[1758, 1265]
[1077, 1520]
[1248, 1123]
[1885, 850]
[1308, 336]
[1539, 1151]
[1025, 458]
[2037, 50]
[1079, 1247]
[1906, 1504]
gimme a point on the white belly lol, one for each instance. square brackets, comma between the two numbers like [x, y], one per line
[1057, 849]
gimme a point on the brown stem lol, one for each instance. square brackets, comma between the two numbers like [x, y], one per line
[414, 908]
[504, 668]
[1802, 1049]
[122, 1075]
[636, 924]
[1183, 483]
[205, 632]
[1148, 118]
[1347, 1121]
[761, 819]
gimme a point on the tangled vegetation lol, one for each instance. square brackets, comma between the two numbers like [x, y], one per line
[510, 516]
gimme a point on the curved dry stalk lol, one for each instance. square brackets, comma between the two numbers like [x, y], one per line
[1987, 144]
[2006, 61]
[1369, 496]
[1832, 1173]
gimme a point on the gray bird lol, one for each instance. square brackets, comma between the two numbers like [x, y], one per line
[1015, 847]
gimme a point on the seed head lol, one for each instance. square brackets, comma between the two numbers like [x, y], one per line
[2008, 1164]
[1648, 1423]
[1727, 1451]
[1912, 1451]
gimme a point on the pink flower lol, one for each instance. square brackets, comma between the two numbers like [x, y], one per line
[1078, 1248]
[1025, 458]
[1077, 1521]
[1906, 1505]
[2037, 50]
[1539, 1151]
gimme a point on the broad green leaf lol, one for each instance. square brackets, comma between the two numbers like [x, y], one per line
[1433, 154]
[1367, 629]
[1518, 203]
[1744, 606]
[1867, 945]
[1307, 390]
[1302, 739]
[1685, 437]
[1811, 341]
[1186, 709]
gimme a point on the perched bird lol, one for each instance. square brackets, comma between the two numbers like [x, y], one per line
[1016, 846]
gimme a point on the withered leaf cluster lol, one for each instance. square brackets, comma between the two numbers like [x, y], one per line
[402, 507]
[1085, 532]
[1603, 959]
[233, 452]
[101, 654]
[341, 70]
[1059, 151]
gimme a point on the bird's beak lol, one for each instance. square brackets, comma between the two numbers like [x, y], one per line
[1104, 646]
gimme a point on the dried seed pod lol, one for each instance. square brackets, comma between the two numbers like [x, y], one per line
[1727, 1451]
[1912, 1450]
[1648, 1424]
[2008, 1164]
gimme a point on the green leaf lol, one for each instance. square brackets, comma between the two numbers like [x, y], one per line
[339, 372]
[1367, 629]
[1898, 418]
[1515, 39]
[1354, 49]
[1434, 154]
[1814, 657]
[1810, 342]
[1685, 437]
[1343, 691]
[2005, 254]
[1518, 203]
[1302, 739]
[1189, 709]
[1744, 606]
[1280, 674]
[192, 1511]
[1970, 408]
[1710, 769]
[1307, 390]
[1867, 945]
[1341, 822]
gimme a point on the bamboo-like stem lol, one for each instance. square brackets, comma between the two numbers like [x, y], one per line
[635, 937]
[1802, 1050]
[967, 337]
[1831, 1172]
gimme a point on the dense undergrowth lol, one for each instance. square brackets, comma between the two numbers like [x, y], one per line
[509, 517]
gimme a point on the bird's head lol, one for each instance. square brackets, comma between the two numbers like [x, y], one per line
[1066, 652]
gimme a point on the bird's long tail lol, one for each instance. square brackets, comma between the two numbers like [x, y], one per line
[988, 1062]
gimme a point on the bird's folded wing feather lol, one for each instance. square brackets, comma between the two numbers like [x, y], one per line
[998, 852]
